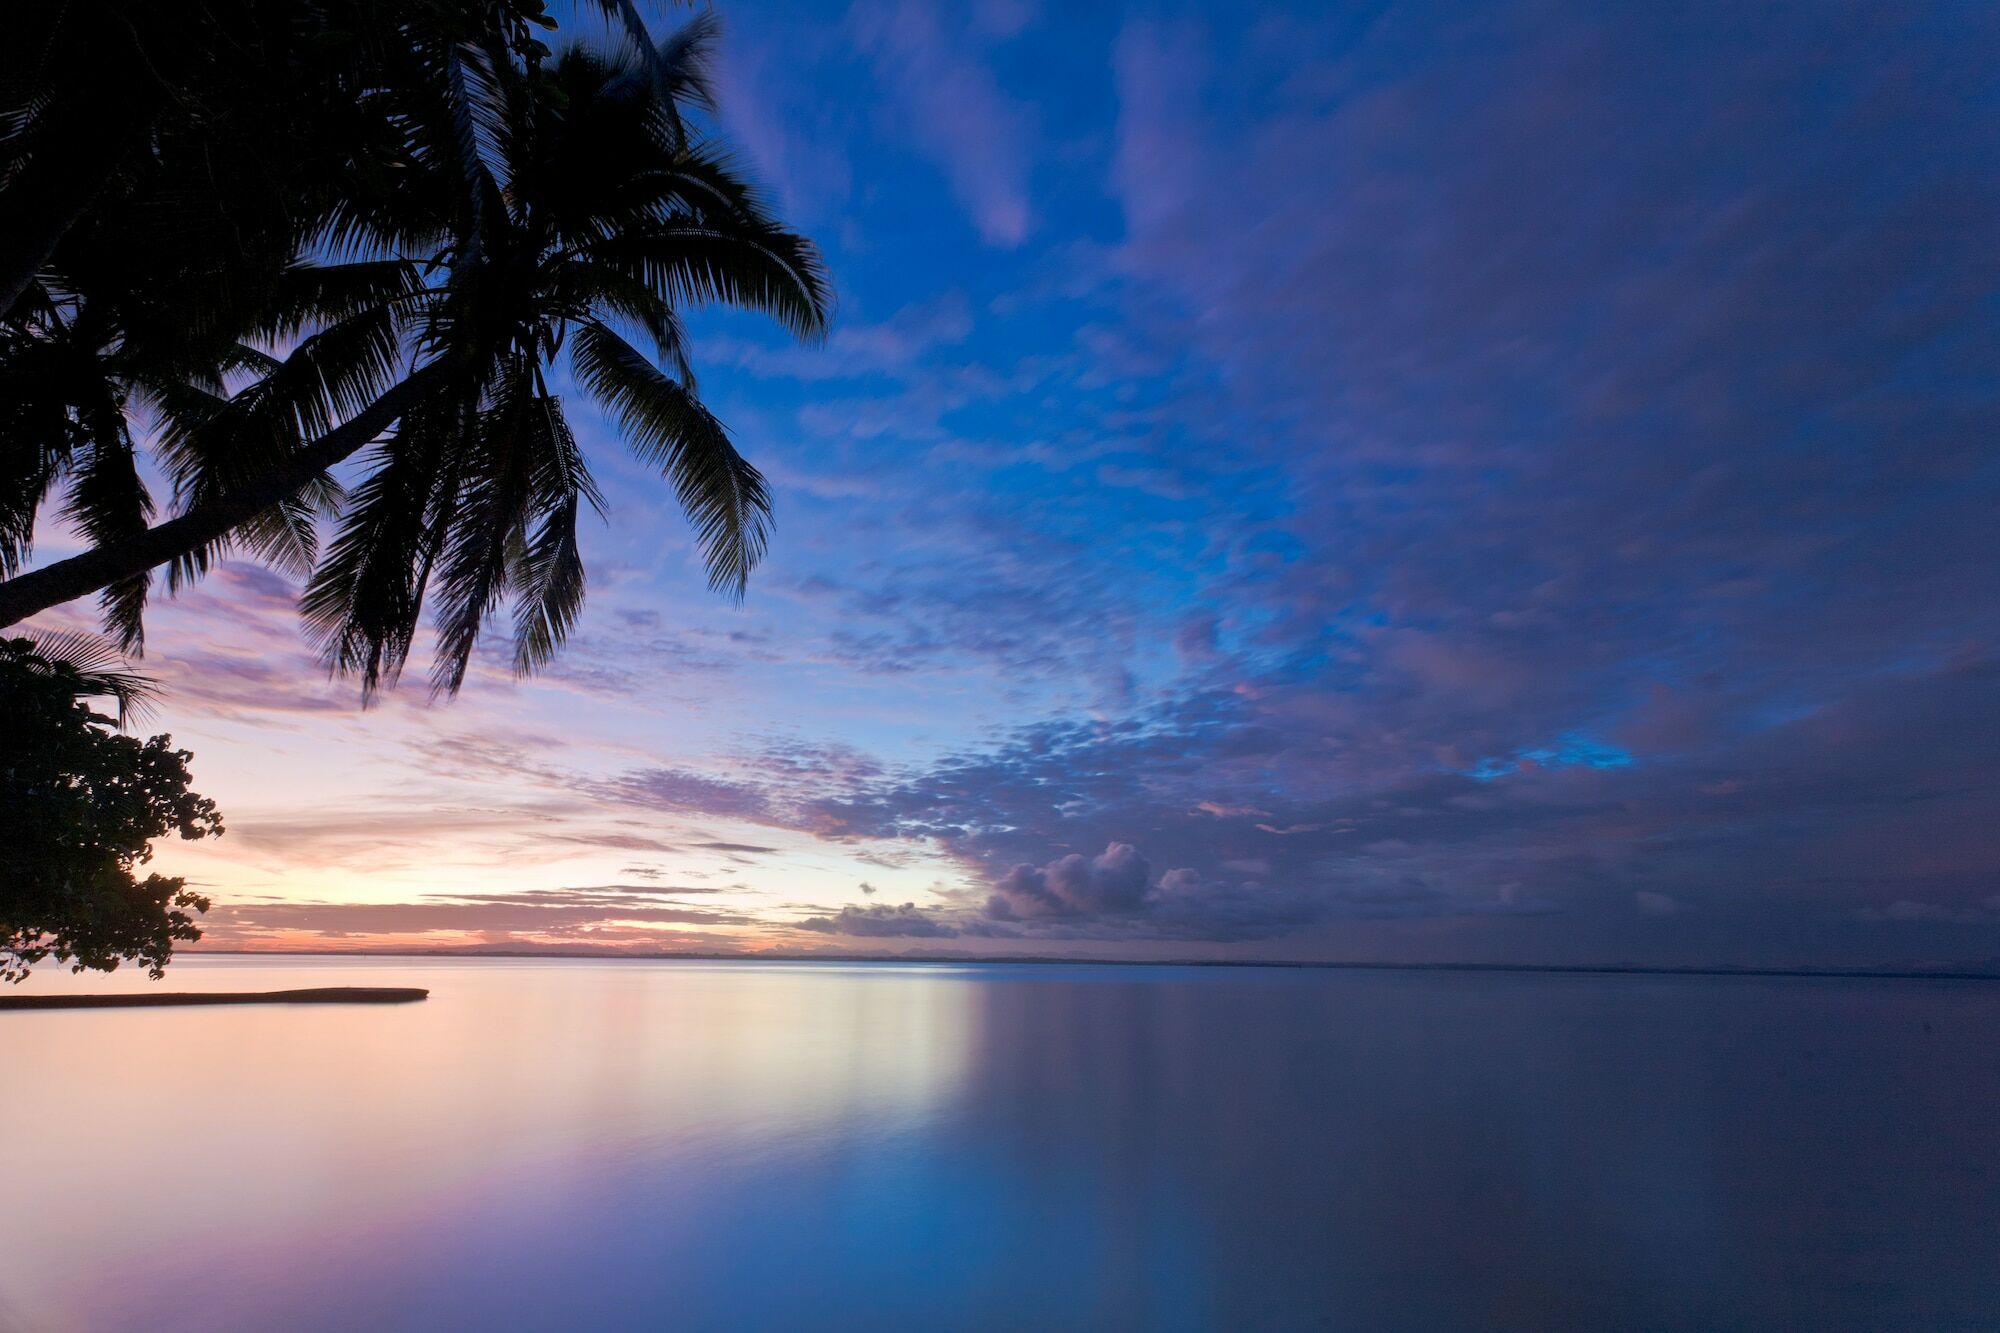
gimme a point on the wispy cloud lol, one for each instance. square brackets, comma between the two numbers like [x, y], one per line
[944, 95]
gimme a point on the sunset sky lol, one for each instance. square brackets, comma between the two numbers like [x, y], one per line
[1389, 481]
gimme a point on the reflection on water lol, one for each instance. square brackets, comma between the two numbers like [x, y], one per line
[689, 1145]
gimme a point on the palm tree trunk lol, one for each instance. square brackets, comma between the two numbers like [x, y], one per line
[37, 590]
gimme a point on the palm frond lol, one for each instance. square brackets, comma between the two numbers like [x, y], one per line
[581, 284]
[549, 595]
[96, 670]
[472, 141]
[675, 69]
[772, 272]
[478, 556]
[108, 501]
[210, 445]
[685, 62]
[285, 536]
[549, 578]
[310, 296]
[37, 434]
[362, 605]
[672, 73]
[723, 495]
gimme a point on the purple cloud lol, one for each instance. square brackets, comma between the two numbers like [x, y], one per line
[880, 921]
[1113, 881]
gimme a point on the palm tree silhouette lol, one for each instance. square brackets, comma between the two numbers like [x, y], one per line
[595, 210]
[162, 166]
[549, 210]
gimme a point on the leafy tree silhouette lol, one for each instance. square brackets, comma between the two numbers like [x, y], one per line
[84, 803]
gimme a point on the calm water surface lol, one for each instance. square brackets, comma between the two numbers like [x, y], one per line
[557, 1144]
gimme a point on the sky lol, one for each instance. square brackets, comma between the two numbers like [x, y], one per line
[1399, 482]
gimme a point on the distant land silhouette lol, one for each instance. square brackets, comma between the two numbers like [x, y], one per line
[1988, 970]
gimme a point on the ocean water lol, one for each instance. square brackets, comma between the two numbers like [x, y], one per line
[690, 1145]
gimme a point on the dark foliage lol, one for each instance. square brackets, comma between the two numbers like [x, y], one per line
[84, 802]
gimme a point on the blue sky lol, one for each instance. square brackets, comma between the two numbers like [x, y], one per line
[1403, 481]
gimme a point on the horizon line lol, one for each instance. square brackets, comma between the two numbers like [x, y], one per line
[1592, 969]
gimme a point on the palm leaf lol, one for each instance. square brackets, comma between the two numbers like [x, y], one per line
[723, 495]
[95, 670]
[491, 512]
[771, 272]
[107, 501]
[549, 579]
[362, 604]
